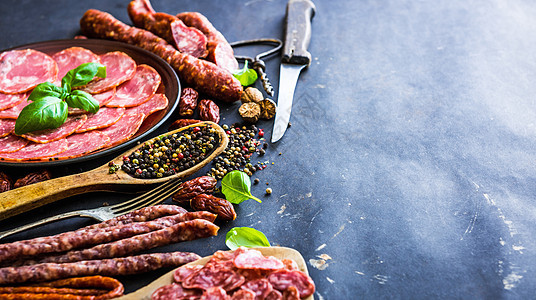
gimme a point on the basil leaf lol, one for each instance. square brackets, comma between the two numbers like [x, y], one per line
[46, 89]
[236, 187]
[83, 100]
[47, 113]
[245, 75]
[82, 74]
[245, 237]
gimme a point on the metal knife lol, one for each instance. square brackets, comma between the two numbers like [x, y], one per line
[295, 58]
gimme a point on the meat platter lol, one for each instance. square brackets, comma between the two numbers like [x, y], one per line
[170, 87]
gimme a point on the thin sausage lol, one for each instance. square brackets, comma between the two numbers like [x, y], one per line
[106, 267]
[204, 76]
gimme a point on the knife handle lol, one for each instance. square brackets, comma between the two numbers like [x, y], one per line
[298, 32]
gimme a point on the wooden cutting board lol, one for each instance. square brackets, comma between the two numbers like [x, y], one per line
[278, 252]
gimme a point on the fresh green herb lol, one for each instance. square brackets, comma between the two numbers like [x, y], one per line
[50, 102]
[246, 76]
[246, 237]
[236, 187]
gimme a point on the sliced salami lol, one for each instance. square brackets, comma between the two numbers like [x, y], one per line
[103, 98]
[243, 294]
[119, 68]
[175, 291]
[71, 58]
[274, 295]
[261, 287]
[49, 135]
[123, 129]
[6, 126]
[36, 151]
[189, 40]
[185, 271]
[106, 116]
[210, 277]
[83, 143]
[291, 293]
[137, 90]
[215, 293]
[10, 100]
[156, 103]
[283, 279]
[254, 259]
[13, 112]
[12, 143]
[22, 70]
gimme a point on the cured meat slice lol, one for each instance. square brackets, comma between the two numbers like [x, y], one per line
[243, 294]
[254, 259]
[274, 295]
[71, 58]
[50, 135]
[283, 279]
[185, 271]
[36, 151]
[12, 143]
[6, 126]
[156, 103]
[291, 293]
[13, 112]
[188, 39]
[175, 291]
[211, 276]
[83, 143]
[22, 70]
[137, 90]
[261, 288]
[215, 293]
[10, 100]
[123, 129]
[106, 116]
[119, 68]
[103, 98]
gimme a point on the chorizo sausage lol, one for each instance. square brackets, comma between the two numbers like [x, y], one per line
[106, 267]
[202, 75]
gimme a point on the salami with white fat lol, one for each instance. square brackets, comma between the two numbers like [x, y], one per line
[283, 279]
[137, 90]
[49, 135]
[12, 143]
[254, 259]
[106, 116]
[175, 291]
[119, 68]
[6, 126]
[36, 151]
[123, 129]
[71, 58]
[10, 100]
[261, 287]
[208, 277]
[22, 70]
[156, 103]
[13, 112]
[83, 143]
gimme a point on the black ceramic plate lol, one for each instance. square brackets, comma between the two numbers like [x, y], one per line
[170, 84]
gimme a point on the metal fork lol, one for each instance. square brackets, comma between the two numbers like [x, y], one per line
[103, 213]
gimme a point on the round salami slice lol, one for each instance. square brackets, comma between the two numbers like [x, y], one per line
[13, 112]
[254, 259]
[189, 40]
[243, 294]
[124, 129]
[274, 295]
[261, 287]
[22, 70]
[175, 291]
[215, 293]
[82, 143]
[119, 68]
[12, 143]
[283, 279]
[50, 135]
[35, 151]
[71, 58]
[10, 100]
[106, 116]
[137, 90]
[103, 98]
[156, 103]
[6, 126]
[291, 293]
[185, 271]
[210, 277]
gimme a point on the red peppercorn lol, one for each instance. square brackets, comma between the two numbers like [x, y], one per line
[261, 133]
[180, 156]
[197, 129]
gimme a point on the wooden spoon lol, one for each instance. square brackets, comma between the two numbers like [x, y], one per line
[23, 199]
[279, 252]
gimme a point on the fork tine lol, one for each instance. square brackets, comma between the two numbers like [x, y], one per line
[144, 195]
[153, 197]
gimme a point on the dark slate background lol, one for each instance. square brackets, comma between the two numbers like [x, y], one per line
[409, 166]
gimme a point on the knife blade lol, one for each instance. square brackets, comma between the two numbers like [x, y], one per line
[295, 57]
